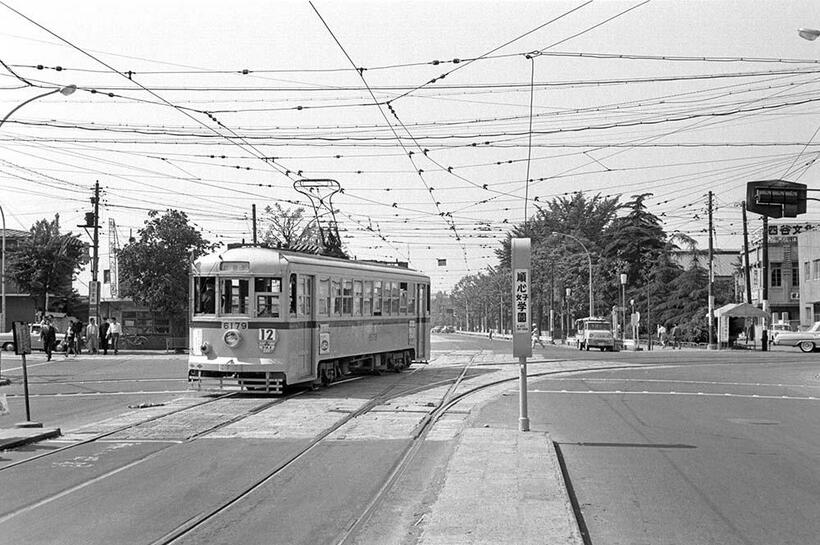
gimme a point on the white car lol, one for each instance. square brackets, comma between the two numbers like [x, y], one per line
[7, 339]
[806, 341]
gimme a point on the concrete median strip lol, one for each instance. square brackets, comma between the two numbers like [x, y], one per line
[503, 487]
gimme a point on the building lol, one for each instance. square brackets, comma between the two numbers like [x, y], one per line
[21, 307]
[808, 244]
[784, 282]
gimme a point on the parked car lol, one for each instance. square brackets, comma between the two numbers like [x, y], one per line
[806, 341]
[437, 329]
[779, 327]
[448, 329]
[7, 339]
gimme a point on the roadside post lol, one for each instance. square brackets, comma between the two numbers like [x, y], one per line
[22, 346]
[522, 332]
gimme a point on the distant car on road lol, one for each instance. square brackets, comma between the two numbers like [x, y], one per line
[806, 341]
[437, 329]
[7, 339]
[448, 329]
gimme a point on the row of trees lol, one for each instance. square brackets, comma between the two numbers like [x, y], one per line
[621, 238]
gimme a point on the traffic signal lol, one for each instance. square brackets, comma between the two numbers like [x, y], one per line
[776, 198]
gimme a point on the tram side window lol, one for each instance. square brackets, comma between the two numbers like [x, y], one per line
[367, 306]
[357, 298]
[377, 298]
[336, 294]
[292, 298]
[234, 296]
[347, 297]
[267, 291]
[324, 297]
[411, 299]
[305, 296]
[403, 297]
[204, 295]
[394, 297]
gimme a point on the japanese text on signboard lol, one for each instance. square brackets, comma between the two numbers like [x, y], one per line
[522, 300]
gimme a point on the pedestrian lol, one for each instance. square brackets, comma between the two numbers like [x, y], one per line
[92, 334]
[104, 336]
[77, 329]
[663, 335]
[675, 337]
[490, 334]
[69, 341]
[49, 336]
[114, 331]
[536, 337]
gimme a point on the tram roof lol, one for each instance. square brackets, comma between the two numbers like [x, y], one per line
[274, 259]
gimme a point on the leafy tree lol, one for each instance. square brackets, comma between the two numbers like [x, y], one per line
[46, 263]
[154, 268]
[633, 236]
[288, 228]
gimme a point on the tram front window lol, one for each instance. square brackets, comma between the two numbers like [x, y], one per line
[234, 296]
[204, 295]
[267, 291]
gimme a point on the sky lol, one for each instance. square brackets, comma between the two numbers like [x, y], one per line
[445, 124]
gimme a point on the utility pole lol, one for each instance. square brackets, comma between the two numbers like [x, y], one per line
[95, 260]
[253, 213]
[764, 341]
[711, 313]
[746, 277]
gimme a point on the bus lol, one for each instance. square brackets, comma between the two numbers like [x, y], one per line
[594, 332]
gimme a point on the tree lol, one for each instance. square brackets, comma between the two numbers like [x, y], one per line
[288, 228]
[154, 269]
[46, 263]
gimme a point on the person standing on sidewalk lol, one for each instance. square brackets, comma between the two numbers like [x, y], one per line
[114, 331]
[92, 334]
[49, 336]
[104, 335]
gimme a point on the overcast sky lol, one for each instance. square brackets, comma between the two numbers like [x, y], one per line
[673, 98]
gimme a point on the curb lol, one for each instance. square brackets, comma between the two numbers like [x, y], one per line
[14, 441]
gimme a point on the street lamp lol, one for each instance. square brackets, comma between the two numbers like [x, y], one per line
[623, 307]
[589, 260]
[809, 34]
[65, 91]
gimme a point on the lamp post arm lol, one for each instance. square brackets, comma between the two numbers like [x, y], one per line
[26, 102]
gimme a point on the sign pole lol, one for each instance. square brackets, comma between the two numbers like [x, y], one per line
[25, 388]
[22, 346]
[522, 332]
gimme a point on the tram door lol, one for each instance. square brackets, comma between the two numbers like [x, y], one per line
[302, 290]
[421, 324]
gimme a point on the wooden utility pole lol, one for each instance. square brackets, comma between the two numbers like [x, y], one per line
[711, 275]
[746, 276]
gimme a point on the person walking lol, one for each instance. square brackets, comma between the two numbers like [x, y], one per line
[92, 334]
[104, 336]
[114, 331]
[77, 330]
[49, 336]
[536, 337]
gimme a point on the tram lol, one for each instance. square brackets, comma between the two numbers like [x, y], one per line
[263, 318]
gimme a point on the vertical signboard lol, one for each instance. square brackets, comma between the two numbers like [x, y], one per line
[522, 326]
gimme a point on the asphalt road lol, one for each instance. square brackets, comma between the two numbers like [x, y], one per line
[695, 448]
[691, 447]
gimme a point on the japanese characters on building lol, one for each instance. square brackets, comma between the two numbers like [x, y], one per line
[785, 230]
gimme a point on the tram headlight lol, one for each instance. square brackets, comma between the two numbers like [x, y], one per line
[232, 338]
[205, 347]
